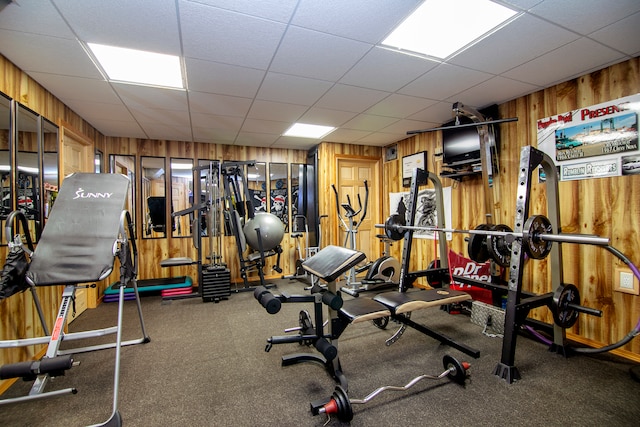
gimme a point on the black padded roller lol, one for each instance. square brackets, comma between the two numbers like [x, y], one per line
[332, 300]
[54, 366]
[328, 350]
[269, 301]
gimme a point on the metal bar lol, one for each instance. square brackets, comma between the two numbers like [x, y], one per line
[489, 122]
[561, 238]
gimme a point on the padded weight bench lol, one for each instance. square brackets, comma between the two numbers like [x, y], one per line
[87, 228]
[399, 305]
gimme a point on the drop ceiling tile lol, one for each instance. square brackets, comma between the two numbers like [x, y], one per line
[444, 81]
[348, 136]
[288, 142]
[125, 129]
[224, 79]
[277, 10]
[268, 110]
[366, 20]
[141, 24]
[569, 61]
[250, 139]
[316, 55]
[265, 126]
[441, 112]
[400, 106]
[369, 122]
[504, 49]
[42, 19]
[350, 98]
[381, 139]
[387, 70]
[499, 89]
[622, 35]
[138, 96]
[326, 117]
[167, 132]
[219, 35]
[586, 15]
[209, 103]
[219, 136]
[212, 121]
[43, 54]
[91, 110]
[401, 127]
[146, 116]
[68, 88]
[292, 90]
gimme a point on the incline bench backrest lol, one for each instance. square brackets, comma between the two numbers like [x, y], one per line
[78, 240]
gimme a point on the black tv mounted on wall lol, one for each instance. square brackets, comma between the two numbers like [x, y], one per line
[461, 146]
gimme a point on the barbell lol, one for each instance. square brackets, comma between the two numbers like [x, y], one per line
[537, 235]
[341, 405]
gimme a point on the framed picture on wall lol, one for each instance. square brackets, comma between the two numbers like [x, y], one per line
[411, 162]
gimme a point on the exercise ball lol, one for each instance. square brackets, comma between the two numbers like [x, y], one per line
[271, 231]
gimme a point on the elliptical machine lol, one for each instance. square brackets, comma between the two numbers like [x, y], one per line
[384, 271]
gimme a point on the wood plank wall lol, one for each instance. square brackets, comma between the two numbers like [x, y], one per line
[609, 207]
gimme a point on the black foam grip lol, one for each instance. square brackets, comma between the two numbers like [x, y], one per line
[30, 369]
[258, 291]
[328, 350]
[270, 303]
[332, 300]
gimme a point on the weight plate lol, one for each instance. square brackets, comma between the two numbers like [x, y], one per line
[498, 246]
[477, 247]
[563, 315]
[457, 372]
[534, 227]
[391, 226]
[345, 411]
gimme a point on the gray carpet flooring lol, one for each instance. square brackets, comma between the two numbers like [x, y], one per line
[206, 365]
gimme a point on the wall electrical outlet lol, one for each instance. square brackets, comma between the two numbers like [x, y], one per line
[625, 281]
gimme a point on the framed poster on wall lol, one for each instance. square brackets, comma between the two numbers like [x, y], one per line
[411, 162]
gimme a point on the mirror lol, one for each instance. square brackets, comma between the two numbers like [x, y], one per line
[257, 186]
[279, 192]
[126, 165]
[5, 163]
[181, 195]
[50, 165]
[153, 201]
[297, 177]
[28, 168]
[97, 161]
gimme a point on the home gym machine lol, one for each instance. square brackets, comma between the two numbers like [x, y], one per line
[261, 232]
[384, 271]
[532, 238]
[214, 278]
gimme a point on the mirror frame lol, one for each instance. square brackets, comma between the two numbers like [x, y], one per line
[279, 192]
[130, 167]
[6, 180]
[157, 190]
[182, 222]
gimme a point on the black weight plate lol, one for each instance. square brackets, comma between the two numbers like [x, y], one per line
[534, 246]
[477, 246]
[563, 315]
[458, 372]
[345, 411]
[391, 226]
[498, 246]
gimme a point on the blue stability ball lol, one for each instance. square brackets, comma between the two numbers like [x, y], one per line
[271, 231]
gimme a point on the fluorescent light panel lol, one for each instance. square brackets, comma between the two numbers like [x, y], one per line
[138, 66]
[439, 28]
[303, 130]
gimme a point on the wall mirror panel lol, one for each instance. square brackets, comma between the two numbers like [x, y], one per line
[5, 163]
[181, 195]
[98, 160]
[153, 197]
[297, 177]
[257, 186]
[28, 179]
[126, 165]
[279, 192]
[50, 166]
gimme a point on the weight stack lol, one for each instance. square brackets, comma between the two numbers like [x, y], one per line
[216, 283]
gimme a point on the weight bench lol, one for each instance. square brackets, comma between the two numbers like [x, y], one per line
[87, 228]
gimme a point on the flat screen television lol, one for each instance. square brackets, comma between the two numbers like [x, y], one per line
[460, 145]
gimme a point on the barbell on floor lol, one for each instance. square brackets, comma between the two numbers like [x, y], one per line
[537, 235]
[341, 405]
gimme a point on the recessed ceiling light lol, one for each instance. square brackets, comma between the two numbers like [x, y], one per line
[138, 66]
[303, 130]
[439, 28]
